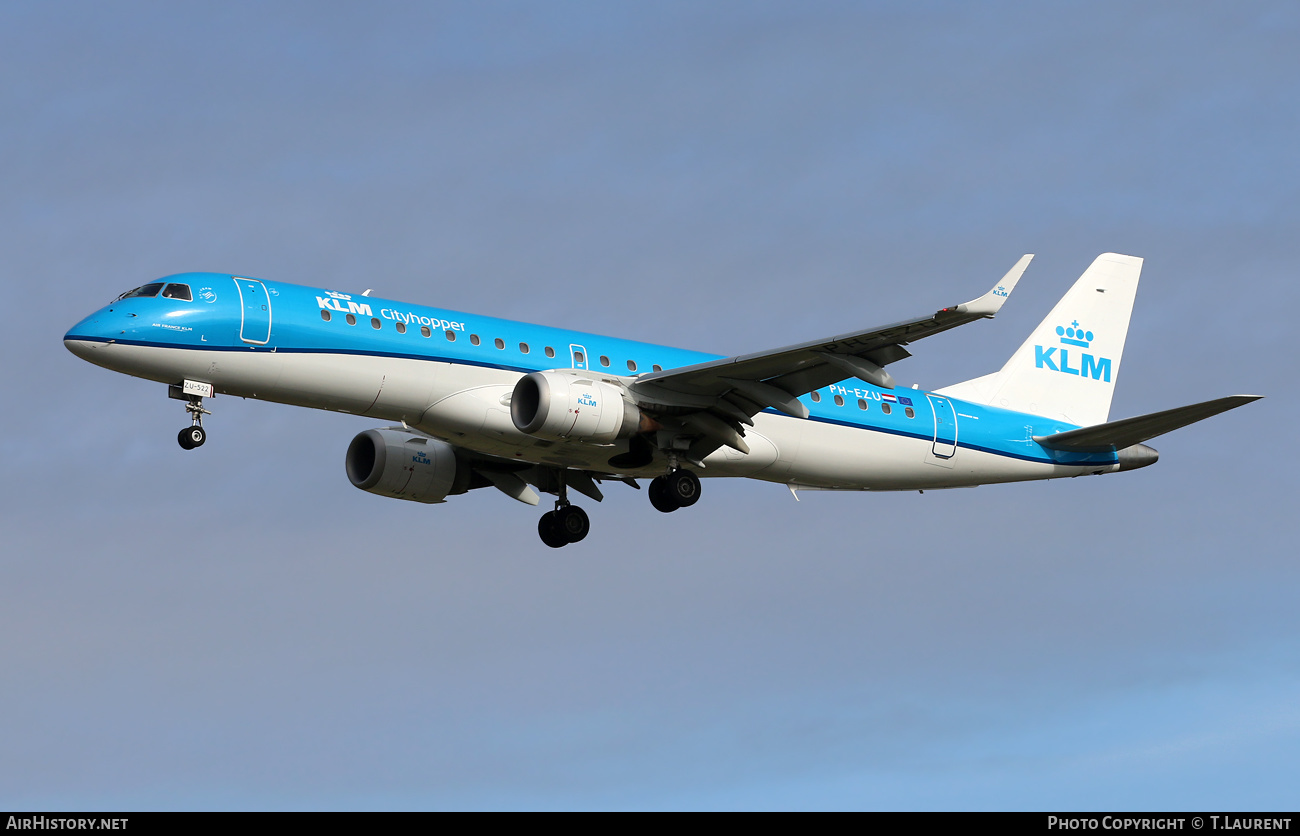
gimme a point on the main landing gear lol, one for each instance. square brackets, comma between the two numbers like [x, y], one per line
[566, 524]
[677, 489]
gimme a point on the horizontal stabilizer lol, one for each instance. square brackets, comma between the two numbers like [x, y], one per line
[1117, 435]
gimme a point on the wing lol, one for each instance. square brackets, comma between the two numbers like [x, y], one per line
[713, 399]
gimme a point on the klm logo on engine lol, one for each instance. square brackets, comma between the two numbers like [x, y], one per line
[1057, 359]
[587, 400]
[334, 302]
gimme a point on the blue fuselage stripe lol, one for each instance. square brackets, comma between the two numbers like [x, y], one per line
[1096, 459]
[213, 322]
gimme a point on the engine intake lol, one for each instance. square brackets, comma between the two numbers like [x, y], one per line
[559, 406]
[405, 466]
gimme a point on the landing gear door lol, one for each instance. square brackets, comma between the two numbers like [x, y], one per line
[579, 356]
[255, 324]
[945, 427]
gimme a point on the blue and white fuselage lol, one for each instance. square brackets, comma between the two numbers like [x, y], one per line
[454, 377]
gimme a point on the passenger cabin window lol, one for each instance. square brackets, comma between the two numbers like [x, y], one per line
[178, 291]
[839, 401]
[656, 367]
[474, 340]
[499, 343]
[886, 408]
[375, 323]
[451, 335]
[425, 332]
[352, 320]
[144, 290]
[817, 397]
[631, 365]
[401, 327]
[862, 403]
[909, 412]
[550, 352]
[578, 357]
[523, 348]
[324, 314]
[604, 361]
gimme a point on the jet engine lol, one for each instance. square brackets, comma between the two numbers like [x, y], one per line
[559, 406]
[403, 465]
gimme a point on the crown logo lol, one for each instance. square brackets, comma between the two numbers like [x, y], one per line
[1074, 335]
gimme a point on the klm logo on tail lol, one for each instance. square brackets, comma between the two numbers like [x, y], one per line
[1098, 368]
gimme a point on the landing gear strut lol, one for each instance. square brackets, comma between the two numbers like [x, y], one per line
[679, 488]
[566, 524]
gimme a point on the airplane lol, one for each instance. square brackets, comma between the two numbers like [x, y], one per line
[473, 401]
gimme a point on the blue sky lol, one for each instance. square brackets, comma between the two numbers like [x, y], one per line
[238, 627]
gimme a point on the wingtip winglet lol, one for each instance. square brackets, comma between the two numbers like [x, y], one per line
[990, 303]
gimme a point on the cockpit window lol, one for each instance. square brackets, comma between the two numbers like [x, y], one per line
[178, 291]
[150, 289]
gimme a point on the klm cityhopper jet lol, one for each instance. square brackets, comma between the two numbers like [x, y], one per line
[523, 408]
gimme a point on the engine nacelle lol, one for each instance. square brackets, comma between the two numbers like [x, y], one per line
[405, 466]
[558, 406]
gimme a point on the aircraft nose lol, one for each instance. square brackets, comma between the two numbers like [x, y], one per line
[84, 349]
[87, 336]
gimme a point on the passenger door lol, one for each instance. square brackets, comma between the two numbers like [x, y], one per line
[945, 427]
[255, 326]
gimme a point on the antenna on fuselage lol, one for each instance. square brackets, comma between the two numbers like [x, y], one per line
[367, 293]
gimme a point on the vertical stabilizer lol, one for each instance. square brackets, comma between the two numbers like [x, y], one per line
[1068, 367]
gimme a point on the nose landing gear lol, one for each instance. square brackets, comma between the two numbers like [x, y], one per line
[194, 435]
